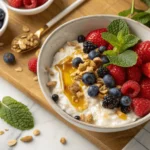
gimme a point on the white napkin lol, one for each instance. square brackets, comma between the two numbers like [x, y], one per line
[141, 141]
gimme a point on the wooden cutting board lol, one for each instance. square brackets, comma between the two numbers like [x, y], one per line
[24, 80]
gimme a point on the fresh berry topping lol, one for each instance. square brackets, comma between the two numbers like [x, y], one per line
[114, 92]
[88, 46]
[89, 78]
[15, 3]
[77, 117]
[41, 2]
[125, 109]
[81, 38]
[94, 54]
[93, 90]
[102, 49]
[104, 59]
[110, 102]
[143, 51]
[125, 101]
[145, 88]
[30, 3]
[110, 47]
[146, 69]
[109, 81]
[32, 65]
[55, 97]
[2, 14]
[141, 106]
[102, 71]
[139, 62]
[76, 61]
[95, 37]
[118, 74]
[9, 58]
[130, 88]
[134, 73]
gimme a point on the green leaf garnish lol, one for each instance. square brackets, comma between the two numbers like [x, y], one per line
[147, 2]
[16, 114]
[125, 59]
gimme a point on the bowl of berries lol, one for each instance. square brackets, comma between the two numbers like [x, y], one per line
[3, 18]
[95, 72]
[28, 7]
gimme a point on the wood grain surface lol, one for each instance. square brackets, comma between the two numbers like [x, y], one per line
[24, 80]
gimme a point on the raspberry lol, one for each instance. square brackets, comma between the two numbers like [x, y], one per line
[118, 74]
[134, 73]
[141, 106]
[15, 3]
[143, 51]
[30, 3]
[110, 47]
[95, 37]
[32, 65]
[110, 102]
[139, 62]
[146, 69]
[130, 88]
[41, 2]
[145, 88]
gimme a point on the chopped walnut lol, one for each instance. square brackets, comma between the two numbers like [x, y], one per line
[100, 81]
[97, 61]
[89, 69]
[82, 67]
[82, 117]
[101, 96]
[92, 64]
[74, 88]
[85, 56]
[51, 83]
[79, 94]
[89, 118]
[77, 77]
[103, 89]
[63, 140]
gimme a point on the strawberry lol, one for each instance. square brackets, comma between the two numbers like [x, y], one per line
[141, 106]
[30, 3]
[134, 73]
[146, 69]
[118, 74]
[143, 51]
[95, 37]
[130, 88]
[139, 62]
[110, 47]
[145, 88]
[32, 65]
[15, 3]
[41, 2]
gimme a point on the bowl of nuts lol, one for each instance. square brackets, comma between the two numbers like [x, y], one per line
[3, 18]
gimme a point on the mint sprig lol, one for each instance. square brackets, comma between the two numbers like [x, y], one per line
[119, 36]
[16, 114]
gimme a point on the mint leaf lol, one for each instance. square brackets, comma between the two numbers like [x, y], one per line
[112, 39]
[16, 114]
[125, 13]
[117, 25]
[120, 35]
[147, 2]
[125, 59]
[129, 41]
[110, 53]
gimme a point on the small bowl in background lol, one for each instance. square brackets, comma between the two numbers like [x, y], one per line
[5, 24]
[32, 11]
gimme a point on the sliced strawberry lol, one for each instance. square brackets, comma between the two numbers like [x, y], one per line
[30, 4]
[15, 3]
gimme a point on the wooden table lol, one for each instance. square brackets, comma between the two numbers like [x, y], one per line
[24, 80]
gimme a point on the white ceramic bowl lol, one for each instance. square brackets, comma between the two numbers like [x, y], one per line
[67, 32]
[33, 11]
[5, 24]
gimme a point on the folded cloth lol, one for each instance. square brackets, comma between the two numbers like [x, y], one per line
[141, 141]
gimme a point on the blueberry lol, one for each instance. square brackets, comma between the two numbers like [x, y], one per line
[2, 14]
[93, 54]
[89, 78]
[77, 117]
[76, 61]
[81, 38]
[102, 49]
[9, 58]
[93, 90]
[55, 97]
[1, 24]
[125, 101]
[104, 59]
[109, 81]
[115, 92]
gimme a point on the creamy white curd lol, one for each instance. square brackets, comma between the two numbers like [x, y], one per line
[101, 116]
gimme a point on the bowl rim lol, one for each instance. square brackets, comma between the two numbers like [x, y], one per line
[6, 16]
[19, 10]
[66, 116]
